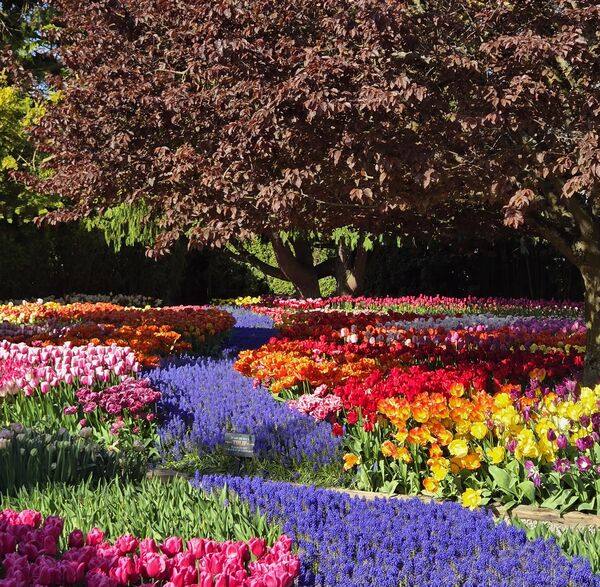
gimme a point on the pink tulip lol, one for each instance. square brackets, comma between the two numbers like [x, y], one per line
[94, 537]
[127, 544]
[171, 546]
[29, 518]
[196, 547]
[237, 550]
[124, 571]
[154, 565]
[148, 545]
[258, 546]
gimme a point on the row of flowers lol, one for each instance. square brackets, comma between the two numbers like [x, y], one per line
[412, 329]
[30, 555]
[151, 333]
[480, 406]
[277, 307]
[92, 390]
[350, 542]
[285, 363]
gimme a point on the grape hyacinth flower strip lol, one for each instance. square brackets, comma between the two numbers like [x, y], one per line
[349, 542]
[248, 319]
[204, 399]
[251, 330]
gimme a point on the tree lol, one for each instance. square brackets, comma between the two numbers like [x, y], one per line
[23, 48]
[165, 123]
[305, 259]
[232, 119]
[24, 61]
[17, 112]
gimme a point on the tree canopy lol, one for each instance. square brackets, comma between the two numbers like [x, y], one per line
[229, 119]
[24, 60]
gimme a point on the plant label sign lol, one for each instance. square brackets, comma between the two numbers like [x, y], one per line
[239, 445]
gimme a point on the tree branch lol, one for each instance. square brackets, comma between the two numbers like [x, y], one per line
[584, 220]
[326, 268]
[243, 256]
[554, 237]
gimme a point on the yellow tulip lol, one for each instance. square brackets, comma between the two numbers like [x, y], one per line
[404, 455]
[496, 454]
[458, 448]
[463, 427]
[471, 461]
[350, 460]
[502, 400]
[440, 473]
[479, 430]
[588, 400]
[431, 485]
[471, 498]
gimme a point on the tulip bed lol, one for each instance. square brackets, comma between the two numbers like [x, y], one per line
[76, 411]
[91, 391]
[477, 406]
[30, 556]
[149, 332]
[471, 399]
[77, 367]
[238, 549]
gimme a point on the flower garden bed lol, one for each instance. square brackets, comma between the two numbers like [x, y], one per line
[208, 548]
[468, 400]
[149, 332]
[474, 406]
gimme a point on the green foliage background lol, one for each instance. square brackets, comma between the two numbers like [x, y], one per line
[264, 251]
[17, 113]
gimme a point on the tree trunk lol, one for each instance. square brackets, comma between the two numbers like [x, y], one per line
[351, 268]
[297, 266]
[591, 280]
[584, 252]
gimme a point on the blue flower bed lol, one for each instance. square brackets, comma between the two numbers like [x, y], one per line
[203, 399]
[349, 542]
[251, 330]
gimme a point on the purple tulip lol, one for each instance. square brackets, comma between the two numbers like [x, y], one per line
[533, 473]
[583, 463]
[562, 466]
[562, 441]
[584, 443]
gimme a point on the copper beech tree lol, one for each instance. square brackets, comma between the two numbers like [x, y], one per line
[234, 118]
